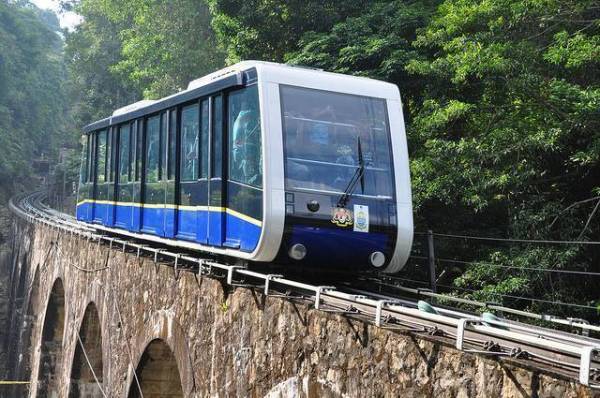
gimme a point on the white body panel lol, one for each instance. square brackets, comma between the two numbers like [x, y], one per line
[270, 76]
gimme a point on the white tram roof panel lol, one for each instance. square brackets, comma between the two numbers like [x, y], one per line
[305, 76]
[133, 107]
[281, 74]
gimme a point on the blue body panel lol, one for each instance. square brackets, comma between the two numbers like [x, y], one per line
[124, 216]
[225, 229]
[333, 245]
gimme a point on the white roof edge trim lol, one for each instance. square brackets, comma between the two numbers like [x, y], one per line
[133, 107]
[220, 74]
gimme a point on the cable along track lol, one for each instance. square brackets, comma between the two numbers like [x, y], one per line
[571, 355]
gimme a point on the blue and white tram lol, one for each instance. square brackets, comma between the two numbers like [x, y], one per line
[260, 162]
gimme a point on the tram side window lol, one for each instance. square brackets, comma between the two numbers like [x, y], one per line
[93, 141]
[152, 149]
[245, 155]
[101, 157]
[204, 129]
[110, 156]
[124, 153]
[138, 150]
[217, 149]
[172, 155]
[85, 160]
[162, 171]
[189, 143]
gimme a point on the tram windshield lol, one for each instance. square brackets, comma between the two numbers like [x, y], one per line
[325, 136]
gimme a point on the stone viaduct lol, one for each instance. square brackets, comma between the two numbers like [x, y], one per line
[144, 328]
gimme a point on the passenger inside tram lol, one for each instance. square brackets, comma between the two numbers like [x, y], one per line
[246, 154]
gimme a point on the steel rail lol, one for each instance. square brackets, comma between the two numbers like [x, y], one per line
[574, 355]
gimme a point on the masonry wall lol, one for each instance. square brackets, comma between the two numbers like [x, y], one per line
[227, 344]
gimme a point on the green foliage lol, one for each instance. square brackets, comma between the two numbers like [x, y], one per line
[502, 103]
[268, 30]
[32, 78]
[501, 99]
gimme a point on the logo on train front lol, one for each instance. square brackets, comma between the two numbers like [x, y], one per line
[341, 217]
[361, 218]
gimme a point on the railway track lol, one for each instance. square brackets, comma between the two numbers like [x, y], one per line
[571, 355]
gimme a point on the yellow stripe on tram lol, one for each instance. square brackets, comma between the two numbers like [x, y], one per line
[182, 207]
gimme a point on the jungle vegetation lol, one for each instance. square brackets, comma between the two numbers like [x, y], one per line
[501, 100]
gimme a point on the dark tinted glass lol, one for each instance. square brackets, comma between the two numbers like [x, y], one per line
[245, 155]
[101, 157]
[152, 149]
[189, 143]
[124, 153]
[217, 149]
[172, 155]
[204, 130]
[326, 134]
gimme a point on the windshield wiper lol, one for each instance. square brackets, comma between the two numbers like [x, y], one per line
[359, 175]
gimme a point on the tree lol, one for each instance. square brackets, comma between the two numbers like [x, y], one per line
[268, 30]
[507, 134]
[32, 97]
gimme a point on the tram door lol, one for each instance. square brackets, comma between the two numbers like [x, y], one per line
[216, 206]
[86, 182]
[169, 137]
[124, 198]
[137, 168]
[101, 185]
[192, 214]
[153, 208]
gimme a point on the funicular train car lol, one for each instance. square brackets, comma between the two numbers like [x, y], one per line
[260, 162]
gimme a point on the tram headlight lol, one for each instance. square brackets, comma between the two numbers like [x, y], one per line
[297, 251]
[377, 259]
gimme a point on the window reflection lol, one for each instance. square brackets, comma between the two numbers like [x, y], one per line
[124, 142]
[152, 149]
[189, 143]
[325, 134]
[245, 158]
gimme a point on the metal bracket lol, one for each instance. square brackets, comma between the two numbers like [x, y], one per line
[379, 308]
[460, 331]
[268, 279]
[230, 272]
[586, 361]
[176, 271]
[318, 292]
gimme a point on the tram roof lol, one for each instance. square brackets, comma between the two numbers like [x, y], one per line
[243, 73]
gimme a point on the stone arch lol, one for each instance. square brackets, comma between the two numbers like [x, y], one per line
[48, 382]
[83, 378]
[157, 372]
[31, 306]
[163, 326]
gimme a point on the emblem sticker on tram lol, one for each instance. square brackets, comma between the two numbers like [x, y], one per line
[341, 217]
[361, 218]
